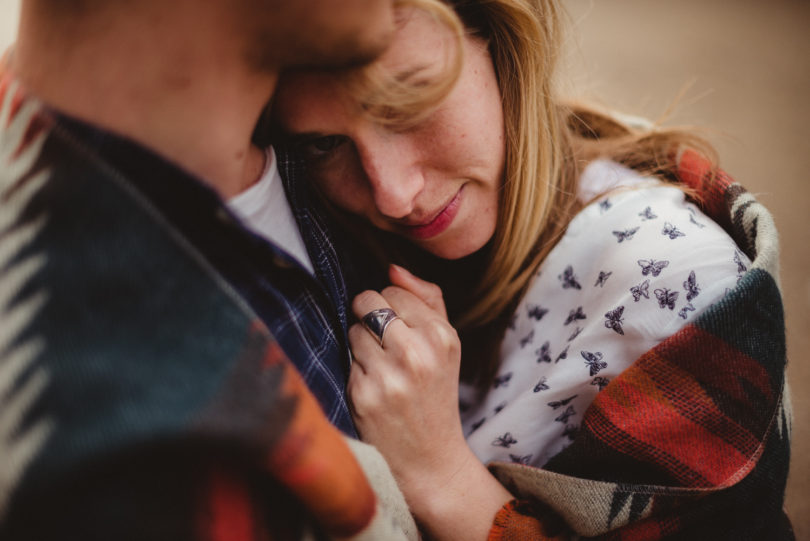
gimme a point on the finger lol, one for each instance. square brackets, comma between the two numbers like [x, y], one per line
[361, 392]
[408, 306]
[427, 292]
[365, 346]
[368, 301]
[420, 317]
[355, 344]
[413, 310]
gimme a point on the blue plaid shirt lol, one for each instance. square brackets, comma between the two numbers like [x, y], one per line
[306, 315]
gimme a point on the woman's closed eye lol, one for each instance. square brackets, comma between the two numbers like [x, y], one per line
[314, 148]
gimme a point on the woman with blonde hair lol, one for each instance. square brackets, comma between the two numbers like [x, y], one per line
[620, 343]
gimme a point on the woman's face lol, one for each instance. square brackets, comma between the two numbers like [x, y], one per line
[435, 182]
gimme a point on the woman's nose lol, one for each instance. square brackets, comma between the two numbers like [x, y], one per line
[393, 174]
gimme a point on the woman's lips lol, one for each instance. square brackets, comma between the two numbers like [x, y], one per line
[438, 224]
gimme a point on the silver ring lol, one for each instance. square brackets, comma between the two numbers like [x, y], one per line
[377, 322]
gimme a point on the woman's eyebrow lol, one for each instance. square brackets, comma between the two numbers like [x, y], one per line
[301, 137]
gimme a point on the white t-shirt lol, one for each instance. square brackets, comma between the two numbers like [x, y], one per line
[264, 209]
[633, 268]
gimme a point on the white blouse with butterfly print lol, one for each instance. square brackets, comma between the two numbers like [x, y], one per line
[633, 268]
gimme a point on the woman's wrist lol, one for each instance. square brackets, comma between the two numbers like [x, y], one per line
[458, 501]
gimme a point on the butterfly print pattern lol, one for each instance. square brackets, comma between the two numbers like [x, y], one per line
[641, 290]
[536, 312]
[564, 416]
[594, 361]
[520, 459]
[556, 404]
[476, 425]
[569, 279]
[574, 315]
[570, 431]
[605, 205]
[602, 279]
[741, 267]
[666, 298]
[543, 354]
[502, 381]
[614, 320]
[651, 266]
[671, 231]
[644, 263]
[504, 441]
[688, 307]
[691, 287]
[600, 382]
[541, 385]
[627, 234]
[647, 214]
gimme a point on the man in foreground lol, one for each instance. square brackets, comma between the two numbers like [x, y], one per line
[147, 338]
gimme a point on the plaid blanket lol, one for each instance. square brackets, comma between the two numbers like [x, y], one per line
[692, 441]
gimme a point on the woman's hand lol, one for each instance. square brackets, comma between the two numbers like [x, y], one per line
[404, 394]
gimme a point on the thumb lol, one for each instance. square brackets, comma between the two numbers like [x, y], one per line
[427, 292]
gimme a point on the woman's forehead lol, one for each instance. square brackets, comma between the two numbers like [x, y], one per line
[421, 43]
[421, 51]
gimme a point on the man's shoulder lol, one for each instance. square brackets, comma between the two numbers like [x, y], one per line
[90, 273]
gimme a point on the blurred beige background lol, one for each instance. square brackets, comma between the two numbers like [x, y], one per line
[748, 64]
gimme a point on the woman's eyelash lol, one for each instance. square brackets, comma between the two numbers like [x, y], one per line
[319, 147]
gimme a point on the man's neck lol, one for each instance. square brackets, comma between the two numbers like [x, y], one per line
[193, 101]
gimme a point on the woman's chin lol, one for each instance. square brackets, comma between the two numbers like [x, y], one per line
[450, 252]
[458, 243]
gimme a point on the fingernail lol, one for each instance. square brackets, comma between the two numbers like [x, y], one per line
[400, 269]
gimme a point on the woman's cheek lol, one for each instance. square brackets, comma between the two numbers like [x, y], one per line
[343, 190]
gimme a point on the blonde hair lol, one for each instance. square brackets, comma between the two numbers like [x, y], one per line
[547, 144]
[393, 102]
[524, 39]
